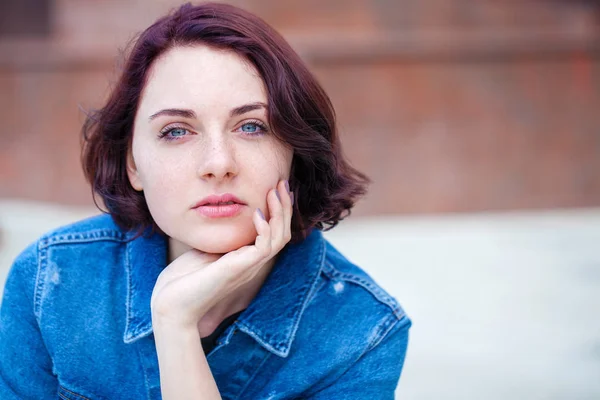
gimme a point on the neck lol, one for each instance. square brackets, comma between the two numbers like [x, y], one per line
[233, 302]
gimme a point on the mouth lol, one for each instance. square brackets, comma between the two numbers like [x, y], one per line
[219, 200]
[219, 206]
[220, 203]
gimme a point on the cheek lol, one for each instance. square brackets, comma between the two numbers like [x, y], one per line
[286, 162]
[164, 198]
[163, 182]
[159, 171]
[274, 160]
[268, 170]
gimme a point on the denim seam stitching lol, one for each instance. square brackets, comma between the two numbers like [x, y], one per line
[82, 237]
[79, 396]
[384, 328]
[39, 281]
[128, 299]
[322, 283]
[378, 293]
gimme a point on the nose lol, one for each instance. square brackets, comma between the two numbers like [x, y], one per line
[217, 160]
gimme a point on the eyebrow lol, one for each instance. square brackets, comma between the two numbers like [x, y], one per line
[247, 108]
[184, 113]
[176, 112]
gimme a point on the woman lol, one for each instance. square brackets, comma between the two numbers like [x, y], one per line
[218, 161]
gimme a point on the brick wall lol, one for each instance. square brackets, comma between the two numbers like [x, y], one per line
[447, 105]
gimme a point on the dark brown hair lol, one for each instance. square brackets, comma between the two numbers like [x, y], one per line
[300, 113]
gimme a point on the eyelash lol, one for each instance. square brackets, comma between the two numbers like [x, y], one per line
[260, 124]
[163, 134]
[168, 129]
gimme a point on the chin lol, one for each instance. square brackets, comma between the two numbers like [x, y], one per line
[220, 240]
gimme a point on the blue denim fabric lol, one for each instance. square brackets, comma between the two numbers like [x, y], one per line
[75, 323]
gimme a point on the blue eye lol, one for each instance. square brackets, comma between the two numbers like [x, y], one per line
[252, 128]
[173, 133]
[249, 127]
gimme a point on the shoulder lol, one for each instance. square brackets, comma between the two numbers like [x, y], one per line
[352, 307]
[39, 263]
[92, 229]
[341, 272]
[350, 318]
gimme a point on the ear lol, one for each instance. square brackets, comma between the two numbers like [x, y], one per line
[132, 173]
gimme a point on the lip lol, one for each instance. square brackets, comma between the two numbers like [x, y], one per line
[212, 207]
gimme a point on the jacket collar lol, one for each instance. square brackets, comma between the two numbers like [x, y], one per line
[146, 257]
[273, 316]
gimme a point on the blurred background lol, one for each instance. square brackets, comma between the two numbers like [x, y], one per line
[478, 121]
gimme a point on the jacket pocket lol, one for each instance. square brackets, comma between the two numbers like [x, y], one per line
[66, 394]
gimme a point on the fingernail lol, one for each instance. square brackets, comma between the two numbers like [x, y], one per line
[277, 194]
[292, 198]
[260, 213]
[287, 186]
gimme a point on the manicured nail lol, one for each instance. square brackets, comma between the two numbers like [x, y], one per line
[260, 213]
[292, 198]
[277, 194]
[287, 186]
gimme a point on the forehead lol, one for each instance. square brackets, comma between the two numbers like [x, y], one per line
[200, 76]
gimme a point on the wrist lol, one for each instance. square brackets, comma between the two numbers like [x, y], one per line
[173, 324]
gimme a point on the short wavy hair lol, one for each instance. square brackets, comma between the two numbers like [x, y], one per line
[325, 185]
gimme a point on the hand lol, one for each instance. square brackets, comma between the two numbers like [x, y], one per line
[193, 283]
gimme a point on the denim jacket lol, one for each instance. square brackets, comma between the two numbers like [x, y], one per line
[75, 323]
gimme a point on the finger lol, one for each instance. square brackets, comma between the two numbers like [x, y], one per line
[243, 259]
[262, 243]
[284, 234]
[263, 240]
[286, 201]
[276, 222]
[237, 264]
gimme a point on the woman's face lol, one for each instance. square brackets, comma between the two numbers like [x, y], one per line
[200, 137]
